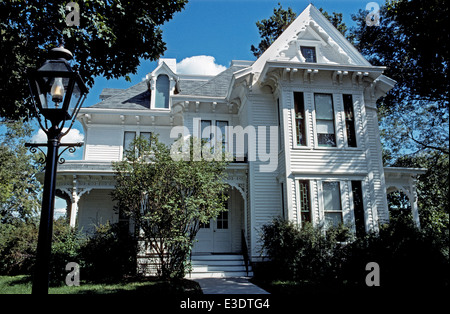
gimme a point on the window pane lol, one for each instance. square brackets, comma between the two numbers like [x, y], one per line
[331, 196]
[328, 140]
[325, 127]
[333, 219]
[146, 136]
[205, 129]
[222, 126]
[324, 106]
[309, 53]
[305, 204]
[358, 208]
[324, 120]
[300, 118]
[349, 120]
[162, 92]
[128, 139]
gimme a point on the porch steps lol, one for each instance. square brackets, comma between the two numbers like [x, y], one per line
[219, 266]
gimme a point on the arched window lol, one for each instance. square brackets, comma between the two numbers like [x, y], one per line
[162, 92]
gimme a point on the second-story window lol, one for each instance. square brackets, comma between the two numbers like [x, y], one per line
[128, 139]
[325, 120]
[349, 120]
[162, 91]
[300, 121]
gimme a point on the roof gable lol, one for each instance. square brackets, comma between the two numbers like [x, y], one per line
[311, 28]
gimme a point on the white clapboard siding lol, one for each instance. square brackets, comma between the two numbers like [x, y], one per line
[104, 144]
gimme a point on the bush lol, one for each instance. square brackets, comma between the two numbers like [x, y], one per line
[408, 258]
[18, 243]
[66, 246]
[108, 255]
[303, 254]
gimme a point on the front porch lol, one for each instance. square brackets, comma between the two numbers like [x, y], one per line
[404, 180]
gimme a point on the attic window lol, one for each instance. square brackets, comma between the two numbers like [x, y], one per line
[162, 92]
[309, 53]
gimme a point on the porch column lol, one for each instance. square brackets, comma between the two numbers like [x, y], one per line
[412, 196]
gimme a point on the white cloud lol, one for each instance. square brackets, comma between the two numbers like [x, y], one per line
[74, 136]
[200, 65]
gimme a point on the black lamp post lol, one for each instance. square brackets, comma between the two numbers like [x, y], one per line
[58, 93]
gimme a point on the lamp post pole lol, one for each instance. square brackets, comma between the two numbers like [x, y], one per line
[44, 246]
[58, 93]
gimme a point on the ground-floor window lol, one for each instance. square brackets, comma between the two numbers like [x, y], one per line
[358, 208]
[331, 194]
[305, 203]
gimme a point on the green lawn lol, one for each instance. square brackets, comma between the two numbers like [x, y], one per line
[22, 285]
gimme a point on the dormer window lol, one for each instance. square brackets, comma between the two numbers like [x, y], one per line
[309, 53]
[162, 92]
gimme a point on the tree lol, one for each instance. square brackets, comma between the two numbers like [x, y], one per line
[412, 40]
[167, 198]
[414, 115]
[110, 40]
[19, 197]
[270, 29]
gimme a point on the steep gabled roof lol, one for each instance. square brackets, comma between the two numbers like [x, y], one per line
[311, 26]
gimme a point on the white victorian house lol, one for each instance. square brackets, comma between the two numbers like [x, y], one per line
[311, 152]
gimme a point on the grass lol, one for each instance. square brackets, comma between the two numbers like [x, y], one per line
[147, 286]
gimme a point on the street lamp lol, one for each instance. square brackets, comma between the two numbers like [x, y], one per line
[57, 92]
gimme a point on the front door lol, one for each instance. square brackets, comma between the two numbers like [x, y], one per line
[214, 236]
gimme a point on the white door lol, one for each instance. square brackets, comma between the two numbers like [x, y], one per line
[215, 236]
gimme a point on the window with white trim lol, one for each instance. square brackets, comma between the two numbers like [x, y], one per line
[349, 120]
[218, 133]
[325, 125]
[162, 91]
[300, 121]
[331, 196]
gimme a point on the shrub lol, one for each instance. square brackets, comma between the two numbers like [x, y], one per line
[303, 254]
[66, 245]
[109, 254]
[409, 258]
[18, 243]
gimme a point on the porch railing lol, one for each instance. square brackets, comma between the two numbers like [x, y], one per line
[245, 250]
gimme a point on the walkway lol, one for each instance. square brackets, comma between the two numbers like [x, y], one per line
[235, 285]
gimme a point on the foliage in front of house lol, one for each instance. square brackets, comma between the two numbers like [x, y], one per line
[168, 198]
[407, 257]
[106, 255]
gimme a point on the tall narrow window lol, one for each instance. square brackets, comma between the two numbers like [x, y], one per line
[325, 120]
[349, 120]
[332, 203]
[305, 203]
[279, 124]
[283, 214]
[146, 135]
[206, 131]
[223, 127]
[162, 92]
[309, 53]
[300, 124]
[128, 139]
[358, 208]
